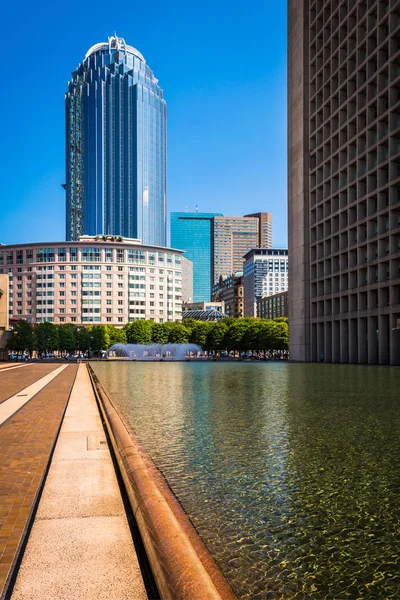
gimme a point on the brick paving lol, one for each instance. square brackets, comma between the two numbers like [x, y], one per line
[14, 380]
[26, 440]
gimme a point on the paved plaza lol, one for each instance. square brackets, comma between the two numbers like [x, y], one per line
[80, 526]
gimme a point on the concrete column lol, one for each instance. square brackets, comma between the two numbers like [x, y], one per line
[372, 341]
[336, 341]
[383, 339]
[321, 345]
[314, 349]
[353, 342]
[362, 341]
[394, 334]
[344, 341]
[328, 341]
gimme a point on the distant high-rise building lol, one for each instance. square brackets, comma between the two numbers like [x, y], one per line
[265, 272]
[116, 147]
[344, 176]
[233, 237]
[264, 229]
[191, 232]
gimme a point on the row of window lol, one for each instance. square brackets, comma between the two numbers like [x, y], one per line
[46, 255]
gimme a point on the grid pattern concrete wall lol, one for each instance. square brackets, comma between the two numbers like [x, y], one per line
[346, 208]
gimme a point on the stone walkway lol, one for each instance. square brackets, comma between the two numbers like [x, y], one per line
[26, 441]
[80, 546]
[15, 380]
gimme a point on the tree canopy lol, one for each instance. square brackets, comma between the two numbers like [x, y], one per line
[232, 335]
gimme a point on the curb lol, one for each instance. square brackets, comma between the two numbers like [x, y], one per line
[170, 540]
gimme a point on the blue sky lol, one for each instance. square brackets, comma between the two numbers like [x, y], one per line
[222, 65]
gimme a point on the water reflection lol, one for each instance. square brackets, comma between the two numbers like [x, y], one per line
[289, 472]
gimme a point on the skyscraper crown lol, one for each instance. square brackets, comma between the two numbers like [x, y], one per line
[115, 43]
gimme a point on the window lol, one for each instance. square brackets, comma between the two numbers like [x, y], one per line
[120, 255]
[91, 255]
[44, 255]
[136, 256]
[109, 257]
[62, 254]
[73, 255]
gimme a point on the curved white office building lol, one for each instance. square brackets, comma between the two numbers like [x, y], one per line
[99, 279]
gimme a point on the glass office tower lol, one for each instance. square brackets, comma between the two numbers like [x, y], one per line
[116, 147]
[192, 231]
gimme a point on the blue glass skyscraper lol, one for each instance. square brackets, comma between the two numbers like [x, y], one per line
[116, 147]
[192, 232]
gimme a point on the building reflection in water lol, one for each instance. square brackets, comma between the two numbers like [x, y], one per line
[288, 471]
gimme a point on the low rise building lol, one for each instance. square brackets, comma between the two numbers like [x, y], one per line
[265, 272]
[271, 307]
[203, 306]
[204, 315]
[99, 279]
[230, 292]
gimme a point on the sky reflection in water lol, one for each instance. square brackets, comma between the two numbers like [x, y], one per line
[289, 472]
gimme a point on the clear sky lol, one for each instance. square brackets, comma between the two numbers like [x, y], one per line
[222, 65]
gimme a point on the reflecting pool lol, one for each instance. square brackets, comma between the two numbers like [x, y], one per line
[289, 472]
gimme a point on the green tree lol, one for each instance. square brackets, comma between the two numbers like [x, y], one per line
[216, 336]
[179, 334]
[251, 337]
[46, 337]
[67, 337]
[198, 334]
[235, 335]
[160, 333]
[99, 338]
[138, 332]
[281, 336]
[83, 339]
[22, 338]
[117, 335]
[281, 320]
[266, 335]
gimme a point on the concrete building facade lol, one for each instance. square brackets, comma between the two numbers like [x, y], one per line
[203, 306]
[264, 229]
[265, 272]
[271, 307]
[232, 237]
[230, 292]
[99, 279]
[4, 316]
[344, 175]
